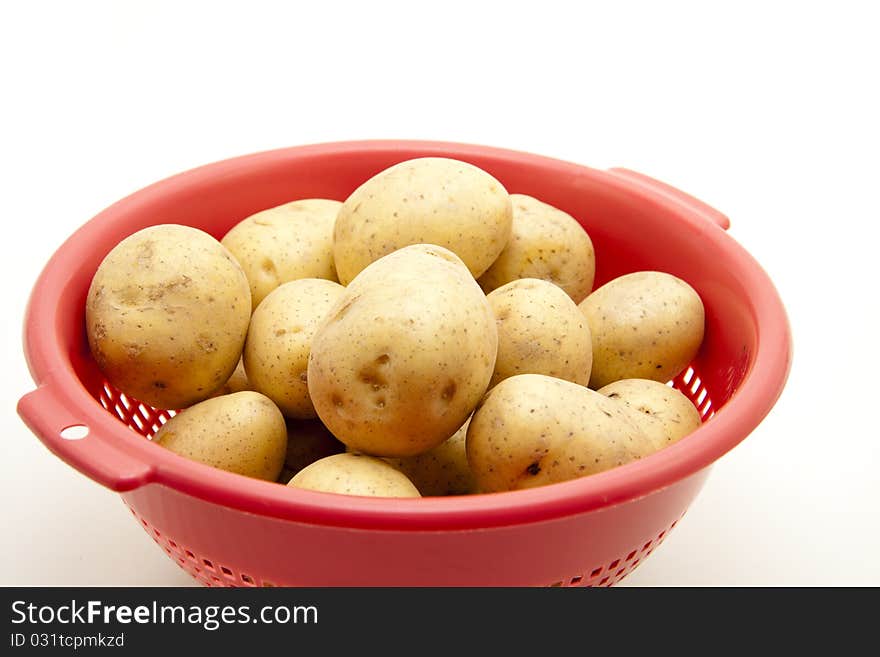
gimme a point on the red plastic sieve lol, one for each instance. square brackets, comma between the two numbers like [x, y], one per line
[225, 529]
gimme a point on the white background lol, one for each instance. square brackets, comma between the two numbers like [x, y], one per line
[767, 111]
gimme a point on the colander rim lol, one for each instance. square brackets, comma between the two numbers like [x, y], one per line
[52, 369]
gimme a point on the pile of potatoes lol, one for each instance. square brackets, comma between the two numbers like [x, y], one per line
[430, 335]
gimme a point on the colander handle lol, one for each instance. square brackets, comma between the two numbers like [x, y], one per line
[47, 413]
[670, 193]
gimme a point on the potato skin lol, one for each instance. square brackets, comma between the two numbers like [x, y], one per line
[354, 474]
[308, 441]
[152, 315]
[443, 470]
[532, 430]
[242, 433]
[276, 352]
[237, 382]
[428, 200]
[540, 331]
[285, 243]
[645, 325]
[545, 243]
[664, 414]
[405, 355]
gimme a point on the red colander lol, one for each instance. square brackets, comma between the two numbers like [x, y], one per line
[228, 530]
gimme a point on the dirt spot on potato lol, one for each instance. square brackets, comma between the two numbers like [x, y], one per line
[130, 295]
[156, 292]
[100, 357]
[205, 343]
[145, 253]
[372, 378]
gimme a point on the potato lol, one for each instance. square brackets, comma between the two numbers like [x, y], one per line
[645, 325]
[307, 442]
[242, 433]
[354, 474]
[545, 243]
[238, 382]
[428, 200]
[405, 354]
[443, 470]
[285, 243]
[540, 331]
[532, 430]
[664, 414]
[166, 315]
[276, 353]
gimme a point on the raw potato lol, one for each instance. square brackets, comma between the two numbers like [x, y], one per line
[532, 430]
[645, 325]
[166, 315]
[428, 200]
[276, 353]
[405, 355]
[354, 474]
[545, 243]
[663, 413]
[443, 470]
[242, 433]
[540, 331]
[238, 382]
[308, 441]
[285, 243]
